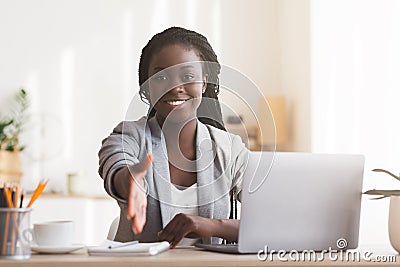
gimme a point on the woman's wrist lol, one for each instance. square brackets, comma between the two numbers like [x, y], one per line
[122, 179]
[121, 182]
[227, 229]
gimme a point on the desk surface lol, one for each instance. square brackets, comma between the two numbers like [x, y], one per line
[175, 257]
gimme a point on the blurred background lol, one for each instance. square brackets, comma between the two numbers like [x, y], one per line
[336, 63]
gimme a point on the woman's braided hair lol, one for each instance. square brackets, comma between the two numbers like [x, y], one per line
[209, 111]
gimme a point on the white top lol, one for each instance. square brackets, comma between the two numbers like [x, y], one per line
[185, 201]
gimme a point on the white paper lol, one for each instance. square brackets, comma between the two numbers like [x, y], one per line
[138, 249]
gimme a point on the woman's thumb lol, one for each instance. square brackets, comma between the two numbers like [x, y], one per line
[145, 163]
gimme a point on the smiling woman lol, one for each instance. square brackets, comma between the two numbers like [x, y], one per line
[177, 81]
[196, 164]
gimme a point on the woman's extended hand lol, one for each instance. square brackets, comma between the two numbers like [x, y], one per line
[185, 225]
[137, 198]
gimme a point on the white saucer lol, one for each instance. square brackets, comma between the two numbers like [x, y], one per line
[56, 250]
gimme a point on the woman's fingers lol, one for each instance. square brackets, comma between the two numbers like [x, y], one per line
[185, 225]
[137, 209]
[176, 229]
[170, 229]
[139, 220]
[182, 229]
[133, 198]
[137, 199]
[176, 239]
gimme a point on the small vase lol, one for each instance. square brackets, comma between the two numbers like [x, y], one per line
[10, 167]
[394, 222]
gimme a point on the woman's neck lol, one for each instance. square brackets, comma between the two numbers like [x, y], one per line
[180, 139]
[180, 134]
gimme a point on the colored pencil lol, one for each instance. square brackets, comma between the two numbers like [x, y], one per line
[38, 191]
[16, 197]
[6, 233]
[8, 193]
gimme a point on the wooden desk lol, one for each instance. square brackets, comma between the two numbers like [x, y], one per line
[174, 257]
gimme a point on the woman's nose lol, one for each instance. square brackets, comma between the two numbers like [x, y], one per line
[178, 89]
[173, 88]
[177, 86]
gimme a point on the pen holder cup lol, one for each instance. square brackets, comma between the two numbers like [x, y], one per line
[15, 234]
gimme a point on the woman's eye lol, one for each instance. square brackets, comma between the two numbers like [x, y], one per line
[188, 77]
[160, 77]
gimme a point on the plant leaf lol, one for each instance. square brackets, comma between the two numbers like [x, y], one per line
[4, 124]
[382, 193]
[13, 125]
[375, 198]
[388, 172]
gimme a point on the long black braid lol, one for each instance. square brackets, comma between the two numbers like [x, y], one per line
[209, 111]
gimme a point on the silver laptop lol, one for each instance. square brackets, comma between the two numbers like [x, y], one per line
[298, 201]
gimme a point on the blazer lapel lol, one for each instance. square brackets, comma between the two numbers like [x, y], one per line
[161, 172]
[205, 171]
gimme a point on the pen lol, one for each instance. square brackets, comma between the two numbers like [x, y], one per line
[2, 197]
[123, 244]
[22, 198]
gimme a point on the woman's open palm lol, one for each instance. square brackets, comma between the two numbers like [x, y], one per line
[137, 198]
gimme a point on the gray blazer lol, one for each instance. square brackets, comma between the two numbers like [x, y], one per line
[221, 160]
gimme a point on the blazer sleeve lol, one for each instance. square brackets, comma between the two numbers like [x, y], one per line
[238, 165]
[121, 148]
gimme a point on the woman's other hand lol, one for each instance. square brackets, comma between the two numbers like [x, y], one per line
[185, 225]
[192, 226]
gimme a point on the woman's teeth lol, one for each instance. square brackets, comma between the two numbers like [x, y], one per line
[176, 102]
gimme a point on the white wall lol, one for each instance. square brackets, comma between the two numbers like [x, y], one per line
[78, 60]
[355, 63]
[295, 70]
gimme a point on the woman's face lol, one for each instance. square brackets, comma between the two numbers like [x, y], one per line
[176, 83]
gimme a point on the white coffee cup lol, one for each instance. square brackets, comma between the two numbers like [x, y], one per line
[53, 233]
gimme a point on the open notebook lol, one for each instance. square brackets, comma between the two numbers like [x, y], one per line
[112, 248]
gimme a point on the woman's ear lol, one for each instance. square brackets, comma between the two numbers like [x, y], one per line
[205, 78]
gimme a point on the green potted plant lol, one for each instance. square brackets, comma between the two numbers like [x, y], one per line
[394, 209]
[11, 125]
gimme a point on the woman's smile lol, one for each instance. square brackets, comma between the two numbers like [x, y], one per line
[176, 102]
